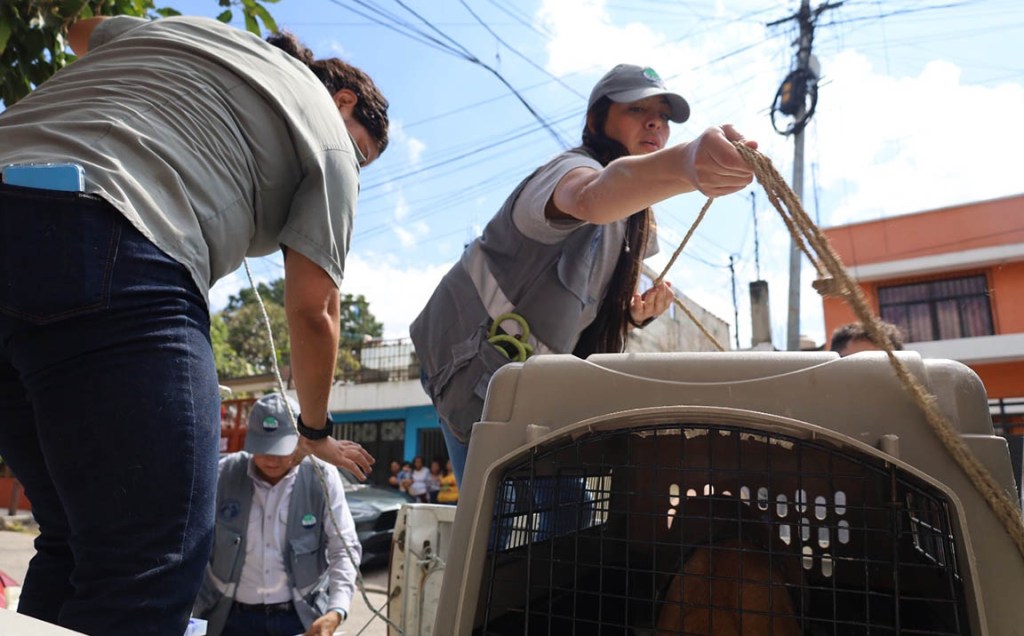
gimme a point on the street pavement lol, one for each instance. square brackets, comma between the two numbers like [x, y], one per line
[16, 550]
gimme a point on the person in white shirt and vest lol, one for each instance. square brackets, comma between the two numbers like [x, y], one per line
[278, 567]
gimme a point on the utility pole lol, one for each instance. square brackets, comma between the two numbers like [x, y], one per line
[757, 243]
[735, 305]
[797, 98]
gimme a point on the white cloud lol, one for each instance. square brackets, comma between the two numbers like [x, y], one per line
[405, 237]
[907, 144]
[414, 147]
[415, 150]
[585, 38]
[401, 206]
[337, 49]
[396, 292]
[225, 288]
[408, 233]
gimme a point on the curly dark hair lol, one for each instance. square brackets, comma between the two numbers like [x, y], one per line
[855, 331]
[372, 108]
[607, 334]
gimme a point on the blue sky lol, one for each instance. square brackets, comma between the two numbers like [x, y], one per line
[919, 107]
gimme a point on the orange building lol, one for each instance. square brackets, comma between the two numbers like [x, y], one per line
[953, 281]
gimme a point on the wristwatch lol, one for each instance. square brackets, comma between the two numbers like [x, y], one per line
[313, 433]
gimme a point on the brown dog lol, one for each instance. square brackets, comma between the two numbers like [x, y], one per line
[728, 589]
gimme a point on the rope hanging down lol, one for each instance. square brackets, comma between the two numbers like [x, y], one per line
[834, 280]
[671, 261]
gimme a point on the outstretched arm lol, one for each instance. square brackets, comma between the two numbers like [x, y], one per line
[709, 163]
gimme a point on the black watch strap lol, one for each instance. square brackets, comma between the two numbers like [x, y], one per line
[312, 433]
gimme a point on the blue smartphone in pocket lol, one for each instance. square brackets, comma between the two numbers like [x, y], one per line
[65, 177]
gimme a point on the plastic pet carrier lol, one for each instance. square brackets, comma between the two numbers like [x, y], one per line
[728, 493]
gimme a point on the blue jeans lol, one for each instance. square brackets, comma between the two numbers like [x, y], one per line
[457, 451]
[109, 414]
[244, 623]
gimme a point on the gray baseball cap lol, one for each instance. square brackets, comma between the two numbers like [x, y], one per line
[629, 83]
[271, 431]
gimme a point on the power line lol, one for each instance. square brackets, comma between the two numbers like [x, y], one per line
[519, 54]
[453, 47]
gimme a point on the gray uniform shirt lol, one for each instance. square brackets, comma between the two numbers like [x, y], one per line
[213, 143]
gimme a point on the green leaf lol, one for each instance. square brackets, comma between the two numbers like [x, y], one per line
[251, 25]
[167, 12]
[5, 34]
[225, 16]
[71, 8]
[268, 20]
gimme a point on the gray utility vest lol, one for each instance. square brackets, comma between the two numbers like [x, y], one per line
[550, 285]
[305, 557]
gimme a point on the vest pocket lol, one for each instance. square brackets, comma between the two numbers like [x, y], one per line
[307, 553]
[460, 397]
[226, 545]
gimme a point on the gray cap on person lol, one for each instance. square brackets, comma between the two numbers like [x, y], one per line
[271, 431]
[629, 83]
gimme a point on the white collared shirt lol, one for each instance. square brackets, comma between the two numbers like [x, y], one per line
[264, 579]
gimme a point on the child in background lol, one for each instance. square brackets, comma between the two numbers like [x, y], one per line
[405, 478]
[449, 493]
[434, 484]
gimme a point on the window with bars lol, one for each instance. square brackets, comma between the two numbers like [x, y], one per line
[939, 309]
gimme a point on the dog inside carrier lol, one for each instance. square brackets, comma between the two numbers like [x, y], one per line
[787, 494]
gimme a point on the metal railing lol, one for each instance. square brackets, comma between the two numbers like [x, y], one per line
[381, 361]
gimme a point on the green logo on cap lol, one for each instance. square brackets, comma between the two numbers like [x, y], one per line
[269, 424]
[652, 75]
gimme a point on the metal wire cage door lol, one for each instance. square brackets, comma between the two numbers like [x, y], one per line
[711, 529]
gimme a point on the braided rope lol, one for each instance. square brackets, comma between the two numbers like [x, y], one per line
[679, 250]
[840, 284]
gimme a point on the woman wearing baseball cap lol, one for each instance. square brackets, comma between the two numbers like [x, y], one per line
[557, 269]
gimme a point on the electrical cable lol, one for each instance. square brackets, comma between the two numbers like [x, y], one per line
[458, 50]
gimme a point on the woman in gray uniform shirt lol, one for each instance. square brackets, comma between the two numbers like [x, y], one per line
[198, 144]
[562, 257]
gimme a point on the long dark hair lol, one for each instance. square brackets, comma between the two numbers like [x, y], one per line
[372, 108]
[607, 334]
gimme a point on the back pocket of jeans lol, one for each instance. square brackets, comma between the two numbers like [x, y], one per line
[57, 258]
